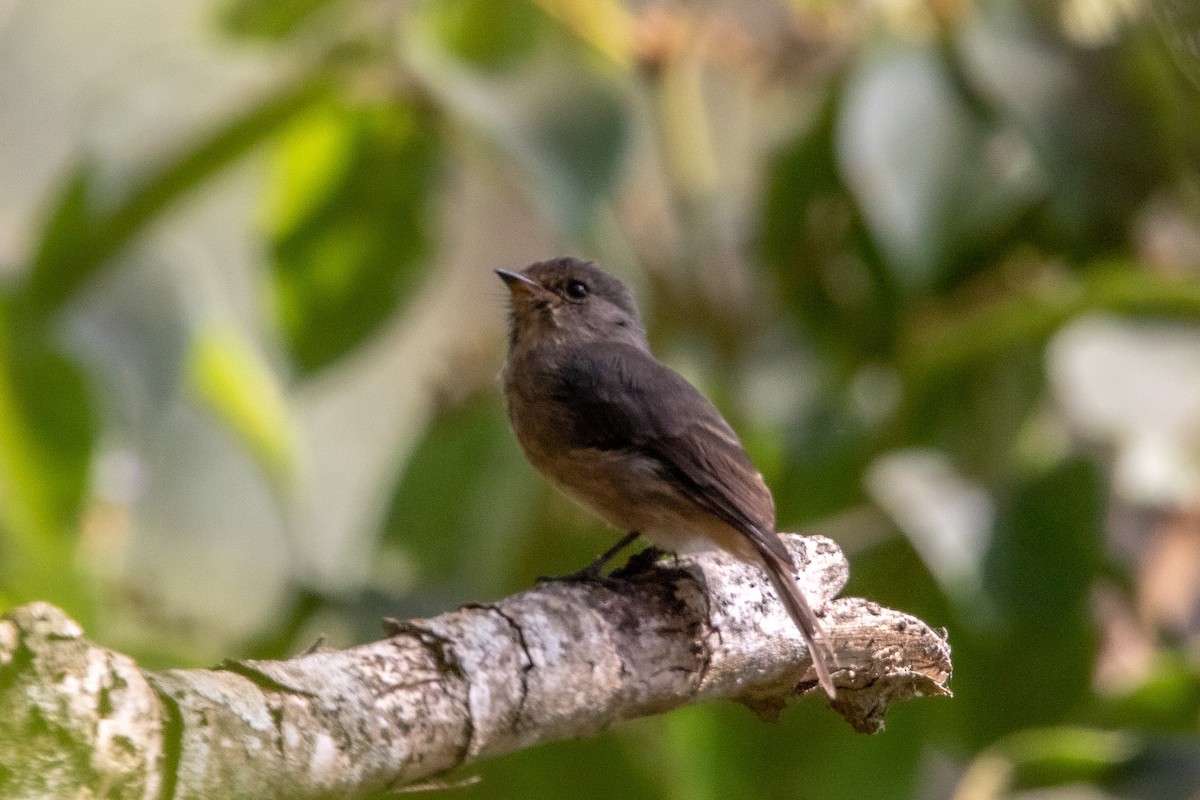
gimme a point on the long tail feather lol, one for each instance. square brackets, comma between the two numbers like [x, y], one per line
[793, 599]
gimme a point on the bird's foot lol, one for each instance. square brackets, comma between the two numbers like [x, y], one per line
[640, 563]
[595, 571]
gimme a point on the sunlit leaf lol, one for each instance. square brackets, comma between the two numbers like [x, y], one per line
[1058, 755]
[231, 379]
[311, 158]
[606, 25]
[350, 212]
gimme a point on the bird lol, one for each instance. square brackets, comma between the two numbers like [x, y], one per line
[629, 438]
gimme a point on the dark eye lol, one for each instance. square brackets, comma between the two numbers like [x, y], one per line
[577, 290]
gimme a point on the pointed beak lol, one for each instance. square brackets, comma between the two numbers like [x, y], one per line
[515, 281]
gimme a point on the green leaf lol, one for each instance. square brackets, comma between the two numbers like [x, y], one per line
[1062, 755]
[1091, 126]
[825, 265]
[993, 399]
[268, 19]
[1168, 701]
[1045, 555]
[350, 211]
[70, 225]
[231, 379]
[1179, 21]
[969, 333]
[485, 33]
[80, 235]
[45, 445]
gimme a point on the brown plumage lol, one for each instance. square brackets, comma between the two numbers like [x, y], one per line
[630, 439]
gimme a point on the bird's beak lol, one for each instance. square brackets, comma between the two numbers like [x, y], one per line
[516, 282]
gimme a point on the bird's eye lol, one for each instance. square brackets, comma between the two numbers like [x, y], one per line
[577, 290]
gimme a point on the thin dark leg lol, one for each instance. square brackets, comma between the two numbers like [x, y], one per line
[593, 571]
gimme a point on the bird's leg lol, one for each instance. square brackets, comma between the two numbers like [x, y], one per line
[592, 571]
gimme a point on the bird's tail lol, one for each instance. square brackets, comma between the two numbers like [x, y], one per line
[782, 575]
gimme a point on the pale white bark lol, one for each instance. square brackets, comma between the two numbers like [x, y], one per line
[564, 659]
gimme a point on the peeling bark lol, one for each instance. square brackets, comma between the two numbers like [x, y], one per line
[564, 659]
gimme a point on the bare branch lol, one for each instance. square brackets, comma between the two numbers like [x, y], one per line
[564, 659]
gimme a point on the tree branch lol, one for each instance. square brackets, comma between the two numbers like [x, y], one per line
[561, 660]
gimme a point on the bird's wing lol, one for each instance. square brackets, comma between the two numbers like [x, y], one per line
[619, 397]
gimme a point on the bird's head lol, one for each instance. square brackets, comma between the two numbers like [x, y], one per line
[567, 300]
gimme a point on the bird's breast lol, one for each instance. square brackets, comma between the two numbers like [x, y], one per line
[617, 485]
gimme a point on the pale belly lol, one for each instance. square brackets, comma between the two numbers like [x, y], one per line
[629, 493]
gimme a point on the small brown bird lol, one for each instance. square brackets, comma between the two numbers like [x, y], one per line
[628, 438]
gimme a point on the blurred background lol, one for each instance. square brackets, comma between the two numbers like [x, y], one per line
[938, 261]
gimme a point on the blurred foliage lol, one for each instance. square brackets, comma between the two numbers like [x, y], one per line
[45, 441]
[350, 212]
[488, 35]
[857, 226]
[269, 19]
[228, 377]
[83, 232]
